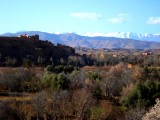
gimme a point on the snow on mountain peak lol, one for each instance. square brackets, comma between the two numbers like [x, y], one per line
[127, 35]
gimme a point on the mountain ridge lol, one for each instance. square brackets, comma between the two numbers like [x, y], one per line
[130, 35]
[75, 40]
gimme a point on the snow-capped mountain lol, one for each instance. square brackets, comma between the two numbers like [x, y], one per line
[128, 35]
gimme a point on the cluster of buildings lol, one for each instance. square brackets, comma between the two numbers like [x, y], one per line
[25, 36]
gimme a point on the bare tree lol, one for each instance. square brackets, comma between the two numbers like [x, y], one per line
[40, 105]
[78, 80]
[115, 79]
[82, 102]
[60, 104]
[14, 79]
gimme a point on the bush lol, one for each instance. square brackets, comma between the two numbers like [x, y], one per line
[55, 81]
[93, 76]
[152, 73]
[49, 68]
[68, 69]
[143, 95]
[48, 80]
[98, 112]
[96, 91]
[59, 68]
[62, 81]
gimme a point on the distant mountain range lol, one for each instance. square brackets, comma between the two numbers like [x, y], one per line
[129, 35]
[107, 40]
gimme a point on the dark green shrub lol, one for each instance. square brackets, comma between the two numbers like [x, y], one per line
[93, 76]
[55, 81]
[143, 95]
[97, 92]
[48, 80]
[49, 68]
[59, 68]
[62, 82]
[68, 68]
[65, 69]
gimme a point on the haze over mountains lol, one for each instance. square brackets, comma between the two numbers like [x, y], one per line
[98, 40]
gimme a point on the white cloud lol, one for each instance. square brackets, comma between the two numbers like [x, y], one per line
[153, 20]
[121, 18]
[86, 15]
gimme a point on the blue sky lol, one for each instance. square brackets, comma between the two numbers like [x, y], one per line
[80, 16]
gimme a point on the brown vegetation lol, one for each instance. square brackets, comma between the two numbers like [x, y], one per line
[80, 87]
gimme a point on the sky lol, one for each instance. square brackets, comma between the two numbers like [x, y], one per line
[80, 16]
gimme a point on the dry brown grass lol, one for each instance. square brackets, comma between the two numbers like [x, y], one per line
[92, 68]
[27, 98]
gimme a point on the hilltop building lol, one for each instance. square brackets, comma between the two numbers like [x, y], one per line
[23, 37]
[33, 37]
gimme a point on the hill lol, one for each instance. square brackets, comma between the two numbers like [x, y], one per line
[15, 51]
